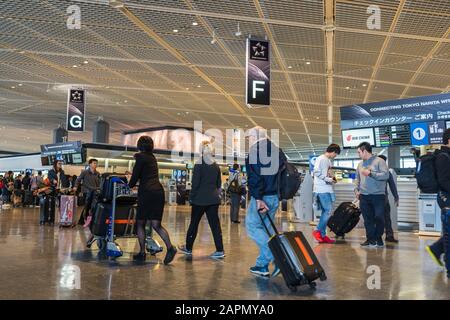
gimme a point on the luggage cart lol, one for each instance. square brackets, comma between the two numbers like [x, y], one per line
[108, 243]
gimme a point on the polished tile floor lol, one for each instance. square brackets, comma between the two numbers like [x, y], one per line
[38, 262]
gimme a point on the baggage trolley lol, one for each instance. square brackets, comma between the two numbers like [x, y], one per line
[108, 242]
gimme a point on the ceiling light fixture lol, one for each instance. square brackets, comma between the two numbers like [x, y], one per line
[214, 40]
[364, 85]
[308, 62]
[195, 23]
[289, 67]
[347, 88]
[74, 66]
[13, 87]
[238, 32]
[116, 4]
[20, 84]
[85, 62]
[175, 30]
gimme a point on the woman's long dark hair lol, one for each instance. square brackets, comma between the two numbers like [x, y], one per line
[55, 163]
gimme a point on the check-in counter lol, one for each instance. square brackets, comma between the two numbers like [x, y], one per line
[407, 190]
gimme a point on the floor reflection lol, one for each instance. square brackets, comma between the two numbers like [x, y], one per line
[42, 262]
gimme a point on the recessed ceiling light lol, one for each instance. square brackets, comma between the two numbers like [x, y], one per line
[20, 84]
[347, 88]
[85, 62]
[187, 112]
[195, 23]
[364, 85]
[125, 101]
[289, 67]
[175, 30]
[199, 86]
[21, 52]
[179, 114]
[187, 88]
[74, 66]
[308, 62]
[13, 87]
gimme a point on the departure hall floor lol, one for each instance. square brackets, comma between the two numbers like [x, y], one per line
[38, 262]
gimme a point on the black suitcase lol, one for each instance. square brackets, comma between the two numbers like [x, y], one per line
[124, 220]
[344, 218]
[47, 208]
[28, 198]
[295, 258]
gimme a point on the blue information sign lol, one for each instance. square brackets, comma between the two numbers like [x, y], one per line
[419, 134]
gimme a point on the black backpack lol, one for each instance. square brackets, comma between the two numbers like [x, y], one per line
[289, 180]
[426, 174]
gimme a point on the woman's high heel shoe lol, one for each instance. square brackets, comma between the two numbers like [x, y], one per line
[139, 256]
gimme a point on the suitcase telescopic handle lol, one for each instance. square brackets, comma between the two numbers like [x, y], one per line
[264, 224]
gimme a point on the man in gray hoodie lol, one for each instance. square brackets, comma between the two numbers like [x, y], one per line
[372, 175]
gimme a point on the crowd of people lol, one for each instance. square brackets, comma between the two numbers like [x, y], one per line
[371, 190]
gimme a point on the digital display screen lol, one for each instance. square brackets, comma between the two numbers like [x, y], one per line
[448, 125]
[398, 135]
[353, 137]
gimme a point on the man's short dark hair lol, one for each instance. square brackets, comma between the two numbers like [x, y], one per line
[365, 146]
[334, 148]
[235, 166]
[446, 137]
[39, 172]
[382, 156]
[93, 160]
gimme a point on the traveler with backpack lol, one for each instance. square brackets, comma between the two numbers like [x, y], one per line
[263, 163]
[235, 190]
[372, 174]
[205, 199]
[323, 190]
[387, 211]
[442, 175]
[27, 197]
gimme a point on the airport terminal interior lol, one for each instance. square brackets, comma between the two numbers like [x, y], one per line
[85, 80]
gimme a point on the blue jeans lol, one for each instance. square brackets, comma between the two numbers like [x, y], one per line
[326, 204]
[256, 230]
[373, 209]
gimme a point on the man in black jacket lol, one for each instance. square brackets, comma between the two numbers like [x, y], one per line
[263, 164]
[442, 165]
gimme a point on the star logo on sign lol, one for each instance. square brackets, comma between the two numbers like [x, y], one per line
[76, 95]
[259, 50]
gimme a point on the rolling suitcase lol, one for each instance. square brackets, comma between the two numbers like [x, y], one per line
[295, 258]
[67, 210]
[47, 209]
[28, 198]
[344, 219]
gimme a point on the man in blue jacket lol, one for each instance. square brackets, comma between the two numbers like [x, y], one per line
[263, 164]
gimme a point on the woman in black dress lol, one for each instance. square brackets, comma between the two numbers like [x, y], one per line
[150, 198]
